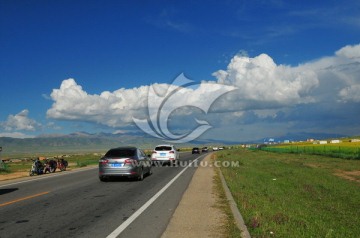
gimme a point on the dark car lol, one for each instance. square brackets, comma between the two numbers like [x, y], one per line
[204, 149]
[195, 150]
[124, 162]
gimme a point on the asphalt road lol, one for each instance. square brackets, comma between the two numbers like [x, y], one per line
[77, 204]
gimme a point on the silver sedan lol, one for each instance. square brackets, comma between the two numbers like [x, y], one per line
[124, 162]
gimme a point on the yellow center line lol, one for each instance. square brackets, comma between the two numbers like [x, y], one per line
[24, 198]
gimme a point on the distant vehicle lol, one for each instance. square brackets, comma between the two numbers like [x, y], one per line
[165, 153]
[204, 149]
[128, 162]
[215, 148]
[195, 150]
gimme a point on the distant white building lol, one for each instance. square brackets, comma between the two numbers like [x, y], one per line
[335, 141]
[322, 142]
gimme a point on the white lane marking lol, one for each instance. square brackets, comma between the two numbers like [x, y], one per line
[47, 176]
[136, 214]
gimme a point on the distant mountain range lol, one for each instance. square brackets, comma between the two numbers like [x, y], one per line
[74, 142]
[78, 142]
[100, 142]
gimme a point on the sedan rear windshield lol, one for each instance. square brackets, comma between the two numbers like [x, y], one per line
[163, 148]
[120, 153]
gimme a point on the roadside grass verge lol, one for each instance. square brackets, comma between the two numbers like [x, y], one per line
[294, 195]
[229, 228]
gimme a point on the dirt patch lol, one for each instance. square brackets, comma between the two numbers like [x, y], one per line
[22, 174]
[349, 175]
[13, 175]
[311, 165]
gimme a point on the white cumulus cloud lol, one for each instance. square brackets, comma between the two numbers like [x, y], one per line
[339, 75]
[351, 93]
[19, 122]
[260, 79]
[349, 51]
[71, 102]
[118, 108]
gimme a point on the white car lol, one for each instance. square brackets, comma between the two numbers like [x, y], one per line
[165, 153]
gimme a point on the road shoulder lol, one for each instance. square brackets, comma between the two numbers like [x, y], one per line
[197, 214]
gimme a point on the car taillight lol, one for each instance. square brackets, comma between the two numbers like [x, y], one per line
[154, 152]
[103, 161]
[131, 161]
[128, 161]
[172, 152]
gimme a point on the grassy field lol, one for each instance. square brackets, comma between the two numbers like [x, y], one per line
[345, 150]
[295, 195]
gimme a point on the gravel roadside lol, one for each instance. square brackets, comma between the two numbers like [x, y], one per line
[197, 214]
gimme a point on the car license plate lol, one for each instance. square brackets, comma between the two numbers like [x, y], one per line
[162, 154]
[117, 165]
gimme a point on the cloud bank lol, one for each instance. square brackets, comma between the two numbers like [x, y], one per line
[266, 93]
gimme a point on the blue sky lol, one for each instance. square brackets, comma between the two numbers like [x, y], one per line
[295, 65]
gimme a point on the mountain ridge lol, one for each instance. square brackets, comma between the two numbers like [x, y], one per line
[96, 142]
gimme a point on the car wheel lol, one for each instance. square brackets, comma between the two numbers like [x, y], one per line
[150, 171]
[141, 175]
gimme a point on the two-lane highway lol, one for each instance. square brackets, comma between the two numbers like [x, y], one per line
[77, 204]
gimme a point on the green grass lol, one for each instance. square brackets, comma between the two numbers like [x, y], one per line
[344, 150]
[4, 169]
[228, 226]
[18, 166]
[84, 160]
[292, 195]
